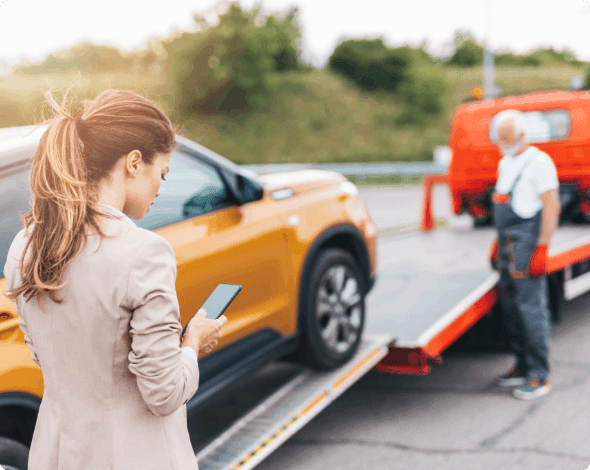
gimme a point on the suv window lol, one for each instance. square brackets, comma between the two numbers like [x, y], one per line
[192, 188]
[14, 203]
[542, 126]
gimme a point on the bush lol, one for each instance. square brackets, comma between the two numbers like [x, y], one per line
[406, 72]
[531, 60]
[223, 69]
[467, 54]
[538, 58]
[587, 79]
[280, 38]
[371, 64]
[423, 94]
[507, 58]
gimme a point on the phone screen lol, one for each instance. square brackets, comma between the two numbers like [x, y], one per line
[218, 301]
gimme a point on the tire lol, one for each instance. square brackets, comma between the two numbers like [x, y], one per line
[330, 338]
[578, 218]
[13, 454]
[555, 294]
[486, 221]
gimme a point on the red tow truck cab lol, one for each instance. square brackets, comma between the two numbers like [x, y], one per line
[557, 122]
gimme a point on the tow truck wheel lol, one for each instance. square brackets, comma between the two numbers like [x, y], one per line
[581, 218]
[482, 222]
[556, 297]
[13, 454]
[333, 314]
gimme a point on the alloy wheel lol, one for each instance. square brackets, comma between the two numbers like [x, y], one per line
[339, 308]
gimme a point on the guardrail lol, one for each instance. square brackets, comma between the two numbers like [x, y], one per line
[359, 170]
[442, 157]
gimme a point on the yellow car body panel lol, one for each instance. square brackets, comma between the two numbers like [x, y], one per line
[18, 371]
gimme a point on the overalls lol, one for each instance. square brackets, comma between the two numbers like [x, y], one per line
[523, 298]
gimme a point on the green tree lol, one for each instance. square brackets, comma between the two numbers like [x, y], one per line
[404, 71]
[587, 79]
[371, 64]
[467, 54]
[423, 92]
[507, 58]
[280, 38]
[224, 68]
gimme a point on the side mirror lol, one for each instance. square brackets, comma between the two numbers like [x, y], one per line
[249, 190]
[206, 200]
[193, 207]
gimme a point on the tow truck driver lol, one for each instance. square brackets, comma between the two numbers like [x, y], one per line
[525, 214]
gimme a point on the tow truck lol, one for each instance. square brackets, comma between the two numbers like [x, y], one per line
[441, 280]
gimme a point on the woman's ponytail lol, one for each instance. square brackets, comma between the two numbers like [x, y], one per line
[75, 153]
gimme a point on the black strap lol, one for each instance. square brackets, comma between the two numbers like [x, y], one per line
[519, 176]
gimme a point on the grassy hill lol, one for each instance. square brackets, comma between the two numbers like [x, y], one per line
[317, 117]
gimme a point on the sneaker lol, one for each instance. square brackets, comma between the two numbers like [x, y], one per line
[513, 378]
[534, 389]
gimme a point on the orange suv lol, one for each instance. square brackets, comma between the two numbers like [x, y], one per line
[300, 243]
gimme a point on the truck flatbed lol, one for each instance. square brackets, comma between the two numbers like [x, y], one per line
[442, 283]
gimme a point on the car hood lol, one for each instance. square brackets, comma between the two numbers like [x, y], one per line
[300, 180]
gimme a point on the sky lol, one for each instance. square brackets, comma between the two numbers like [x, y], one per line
[31, 29]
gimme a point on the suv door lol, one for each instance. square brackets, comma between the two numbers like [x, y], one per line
[215, 240]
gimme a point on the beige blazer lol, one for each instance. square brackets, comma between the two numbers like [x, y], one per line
[116, 382]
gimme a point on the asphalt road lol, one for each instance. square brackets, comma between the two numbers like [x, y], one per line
[454, 417]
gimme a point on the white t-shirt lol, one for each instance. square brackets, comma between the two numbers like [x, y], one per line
[538, 177]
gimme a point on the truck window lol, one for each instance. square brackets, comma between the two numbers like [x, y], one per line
[542, 126]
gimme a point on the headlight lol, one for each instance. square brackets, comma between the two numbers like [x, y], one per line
[349, 188]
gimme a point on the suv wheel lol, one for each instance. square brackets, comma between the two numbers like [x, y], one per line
[333, 309]
[13, 454]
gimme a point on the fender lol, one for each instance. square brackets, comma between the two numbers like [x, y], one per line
[319, 243]
[18, 371]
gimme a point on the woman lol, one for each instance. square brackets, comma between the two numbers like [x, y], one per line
[96, 294]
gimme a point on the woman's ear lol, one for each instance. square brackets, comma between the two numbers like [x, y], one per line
[133, 160]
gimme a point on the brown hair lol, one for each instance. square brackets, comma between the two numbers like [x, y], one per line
[74, 155]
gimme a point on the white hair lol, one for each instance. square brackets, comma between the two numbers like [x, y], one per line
[512, 115]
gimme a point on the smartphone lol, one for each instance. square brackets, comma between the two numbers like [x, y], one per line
[218, 301]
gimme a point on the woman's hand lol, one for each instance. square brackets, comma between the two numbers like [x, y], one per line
[202, 334]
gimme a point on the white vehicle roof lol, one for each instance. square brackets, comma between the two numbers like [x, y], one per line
[18, 144]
